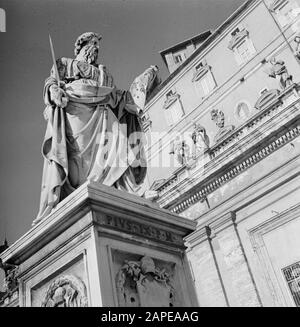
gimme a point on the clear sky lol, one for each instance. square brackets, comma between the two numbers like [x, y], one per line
[133, 31]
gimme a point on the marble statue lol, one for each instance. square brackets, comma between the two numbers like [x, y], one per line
[93, 129]
[279, 71]
[297, 49]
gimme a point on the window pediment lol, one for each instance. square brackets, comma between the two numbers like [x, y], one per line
[171, 98]
[267, 98]
[200, 70]
[236, 37]
[276, 4]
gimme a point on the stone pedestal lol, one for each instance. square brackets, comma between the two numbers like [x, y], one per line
[104, 247]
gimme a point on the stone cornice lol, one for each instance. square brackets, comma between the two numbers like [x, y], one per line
[87, 201]
[222, 222]
[202, 234]
[211, 229]
[264, 133]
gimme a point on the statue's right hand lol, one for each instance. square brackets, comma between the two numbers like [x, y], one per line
[58, 96]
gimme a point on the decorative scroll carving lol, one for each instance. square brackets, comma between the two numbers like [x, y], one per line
[171, 97]
[219, 118]
[66, 291]
[10, 281]
[142, 284]
[276, 4]
[268, 98]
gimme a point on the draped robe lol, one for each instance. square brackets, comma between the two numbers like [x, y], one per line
[96, 137]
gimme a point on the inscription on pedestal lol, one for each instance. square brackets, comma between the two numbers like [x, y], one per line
[140, 229]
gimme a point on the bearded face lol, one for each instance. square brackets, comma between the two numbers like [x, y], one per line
[89, 52]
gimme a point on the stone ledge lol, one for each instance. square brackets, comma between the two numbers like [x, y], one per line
[96, 198]
[245, 154]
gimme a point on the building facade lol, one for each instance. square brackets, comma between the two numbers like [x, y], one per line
[223, 149]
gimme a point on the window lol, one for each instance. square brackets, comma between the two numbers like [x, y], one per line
[174, 113]
[285, 10]
[179, 57]
[244, 51]
[207, 84]
[173, 108]
[292, 277]
[241, 45]
[203, 79]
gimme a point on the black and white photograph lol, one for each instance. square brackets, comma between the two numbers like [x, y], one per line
[150, 156]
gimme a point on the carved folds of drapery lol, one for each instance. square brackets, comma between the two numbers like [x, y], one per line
[192, 146]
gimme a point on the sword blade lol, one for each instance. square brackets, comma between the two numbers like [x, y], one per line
[54, 61]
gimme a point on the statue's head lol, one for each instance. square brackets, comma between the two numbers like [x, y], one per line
[87, 47]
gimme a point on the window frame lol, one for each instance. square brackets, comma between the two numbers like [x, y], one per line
[239, 36]
[283, 17]
[173, 108]
[203, 79]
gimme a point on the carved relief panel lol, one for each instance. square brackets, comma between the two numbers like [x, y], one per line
[66, 291]
[60, 285]
[143, 281]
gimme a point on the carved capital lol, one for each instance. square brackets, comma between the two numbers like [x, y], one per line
[223, 222]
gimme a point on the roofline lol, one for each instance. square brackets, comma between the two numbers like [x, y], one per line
[207, 42]
[180, 44]
[195, 37]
